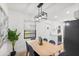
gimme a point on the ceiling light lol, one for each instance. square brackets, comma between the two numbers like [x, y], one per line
[67, 12]
[55, 16]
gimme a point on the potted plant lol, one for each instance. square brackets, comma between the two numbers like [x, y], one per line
[13, 37]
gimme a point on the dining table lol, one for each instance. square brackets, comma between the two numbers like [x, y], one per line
[46, 49]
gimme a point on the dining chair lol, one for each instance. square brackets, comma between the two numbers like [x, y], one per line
[52, 42]
[30, 50]
[45, 39]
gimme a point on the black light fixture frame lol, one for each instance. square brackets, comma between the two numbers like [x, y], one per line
[40, 5]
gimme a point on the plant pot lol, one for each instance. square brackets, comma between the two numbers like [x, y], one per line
[13, 53]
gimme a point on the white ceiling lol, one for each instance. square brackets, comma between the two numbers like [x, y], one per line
[56, 11]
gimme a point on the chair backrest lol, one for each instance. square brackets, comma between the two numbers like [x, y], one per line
[51, 41]
[29, 50]
[62, 54]
[45, 39]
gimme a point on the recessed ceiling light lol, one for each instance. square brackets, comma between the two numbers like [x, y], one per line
[67, 12]
[55, 16]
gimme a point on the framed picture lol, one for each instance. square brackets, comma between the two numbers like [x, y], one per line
[29, 30]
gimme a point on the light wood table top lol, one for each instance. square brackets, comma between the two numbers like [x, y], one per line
[46, 49]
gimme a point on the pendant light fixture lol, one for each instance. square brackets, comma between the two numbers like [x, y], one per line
[42, 15]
